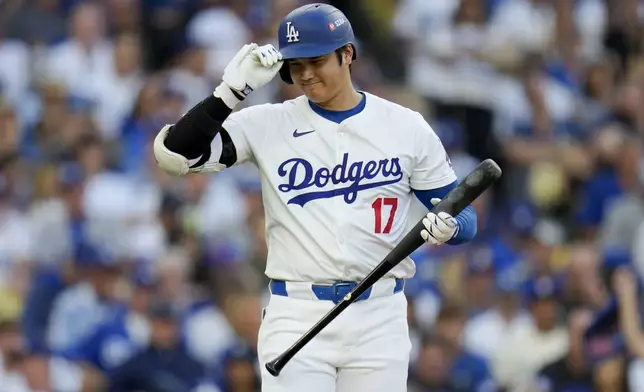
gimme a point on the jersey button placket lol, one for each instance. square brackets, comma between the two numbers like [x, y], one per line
[341, 206]
[337, 200]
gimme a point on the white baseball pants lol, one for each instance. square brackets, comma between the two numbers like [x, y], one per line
[365, 349]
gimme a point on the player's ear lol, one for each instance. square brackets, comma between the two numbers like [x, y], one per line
[347, 54]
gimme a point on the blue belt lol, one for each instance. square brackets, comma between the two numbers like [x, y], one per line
[332, 292]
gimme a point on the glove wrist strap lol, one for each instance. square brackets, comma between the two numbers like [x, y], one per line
[230, 98]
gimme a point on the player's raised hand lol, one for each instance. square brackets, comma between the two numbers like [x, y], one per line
[251, 68]
[439, 228]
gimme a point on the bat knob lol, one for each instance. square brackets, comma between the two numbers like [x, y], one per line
[274, 368]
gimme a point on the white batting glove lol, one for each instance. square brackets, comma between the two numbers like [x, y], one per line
[438, 228]
[251, 68]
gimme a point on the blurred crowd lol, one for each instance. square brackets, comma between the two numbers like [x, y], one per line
[117, 277]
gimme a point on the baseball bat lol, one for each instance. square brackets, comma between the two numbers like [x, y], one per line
[484, 175]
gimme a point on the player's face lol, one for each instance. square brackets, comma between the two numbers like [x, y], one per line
[320, 78]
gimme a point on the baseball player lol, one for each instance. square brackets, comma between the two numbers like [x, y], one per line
[339, 169]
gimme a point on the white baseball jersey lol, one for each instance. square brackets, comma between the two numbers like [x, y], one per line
[336, 196]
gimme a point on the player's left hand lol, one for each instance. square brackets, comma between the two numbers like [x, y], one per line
[251, 68]
[439, 228]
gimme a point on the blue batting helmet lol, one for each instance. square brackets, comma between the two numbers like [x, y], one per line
[310, 31]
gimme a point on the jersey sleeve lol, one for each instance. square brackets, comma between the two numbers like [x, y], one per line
[242, 133]
[432, 168]
[236, 127]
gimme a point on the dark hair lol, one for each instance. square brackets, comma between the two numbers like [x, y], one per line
[431, 339]
[451, 311]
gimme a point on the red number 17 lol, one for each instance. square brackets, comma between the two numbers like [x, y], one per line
[377, 209]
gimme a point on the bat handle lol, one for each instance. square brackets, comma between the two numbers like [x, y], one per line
[275, 366]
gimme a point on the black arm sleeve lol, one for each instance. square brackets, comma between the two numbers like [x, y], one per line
[192, 135]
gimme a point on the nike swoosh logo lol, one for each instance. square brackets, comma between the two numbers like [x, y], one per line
[298, 134]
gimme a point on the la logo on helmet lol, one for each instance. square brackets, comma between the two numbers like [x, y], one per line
[292, 34]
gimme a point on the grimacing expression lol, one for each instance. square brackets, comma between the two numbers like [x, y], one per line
[321, 78]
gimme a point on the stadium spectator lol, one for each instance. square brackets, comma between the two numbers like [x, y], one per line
[467, 371]
[571, 371]
[163, 365]
[544, 338]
